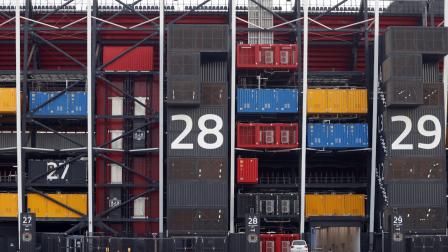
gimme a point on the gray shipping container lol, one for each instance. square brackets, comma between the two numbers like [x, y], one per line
[215, 94]
[416, 194]
[412, 39]
[196, 195]
[433, 95]
[205, 221]
[197, 169]
[176, 127]
[426, 169]
[419, 220]
[213, 38]
[403, 66]
[75, 173]
[392, 130]
[404, 92]
[46, 140]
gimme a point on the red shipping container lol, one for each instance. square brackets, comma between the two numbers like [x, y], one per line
[138, 59]
[277, 242]
[247, 172]
[275, 56]
[267, 135]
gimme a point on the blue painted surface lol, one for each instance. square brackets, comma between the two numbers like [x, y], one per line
[67, 104]
[252, 100]
[338, 135]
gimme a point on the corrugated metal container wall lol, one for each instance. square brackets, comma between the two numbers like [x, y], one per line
[138, 59]
[67, 104]
[203, 221]
[317, 101]
[338, 135]
[7, 100]
[50, 140]
[403, 66]
[357, 135]
[337, 101]
[404, 92]
[277, 242]
[45, 208]
[334, 205]
[247, 100]
[419, 220]
[317, 135]
[416, 194]
[357, 101]
[267, 100]
[198, 37]
[267, 56]
[267, 135]
[247, 172]
[259, 17]
[287, 100]
[9, 205]
[187, 194]
[424, 168]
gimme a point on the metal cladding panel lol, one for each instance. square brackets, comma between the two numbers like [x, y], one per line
[267, 100]
[184, 64]
[176, 127]
[74, 173]
[416, 194]
[433, 94]
[287, 100]
[404, 92]
[317, 135]
[205, 221]
[426, 169]
[419, 220]
[408, 39]
[8, 139]
[214, 72]
[247, 170]
[68, 104]
[357, 135]
[247, 100]
[194, 195]
[403, 66]
[431, 74]
[138, 59]
[197, 169]
[246, 202]
[198, 37]
[54, 141]
[7, 100]
[214, 94]
[414, 141]
[337, 136]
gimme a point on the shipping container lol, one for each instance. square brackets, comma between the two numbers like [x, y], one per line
[267, 100]
[267, 56]
[197, 221]
[334, 205]
[337, 135]
[412, 39]
[70, 103]
[138, 59]
[416, 194]
[7, 100]
[190, 194]
[267, 135]
[198, 37]
[337, 101]
[45, 208]
[277, 242]
[404, 67]
[275, 204]
[9, 205]
[74, 173]
[247, 171]
[197, 169]
[424, 220]
[405, 92]
[428, 169]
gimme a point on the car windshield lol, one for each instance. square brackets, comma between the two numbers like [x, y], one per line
[298, 243]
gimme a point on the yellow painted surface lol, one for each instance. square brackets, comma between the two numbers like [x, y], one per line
[54, 210]
[7, 100]
[334, 205]
[8, 206]
[77, 202]
[45, 208]
[355, 204]
[315, 205]
[38, 205]
[357, 101]
[337, 101]
[317, 102]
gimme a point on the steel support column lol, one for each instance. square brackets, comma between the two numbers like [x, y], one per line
[304, 116]
[374, 125]
[90, 76]
[232, 114]
[445, 63]
[161, 104]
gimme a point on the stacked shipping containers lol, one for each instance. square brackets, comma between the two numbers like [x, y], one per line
[412, 157]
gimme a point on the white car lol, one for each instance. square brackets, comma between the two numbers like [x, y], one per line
[299, 246]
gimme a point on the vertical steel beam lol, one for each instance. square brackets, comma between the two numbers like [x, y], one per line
[232, 115]
[161, 103]
[445, 63]
[90, 59]
[304, 116]
[18, 120]
[374, 124]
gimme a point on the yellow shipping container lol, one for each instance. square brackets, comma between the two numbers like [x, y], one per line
[337, 101]
[8, 207]
[317, 102]
[334, 205]
[7, 100]
[45, 208]
[357, 101]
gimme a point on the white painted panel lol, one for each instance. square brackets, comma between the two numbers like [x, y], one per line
[117, 105]
[117, 144]
[139, 207]
[140, 110]
[116, 174]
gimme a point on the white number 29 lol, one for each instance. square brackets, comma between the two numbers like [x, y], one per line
[436, 133]
[176, 144]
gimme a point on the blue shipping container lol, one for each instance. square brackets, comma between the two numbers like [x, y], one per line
[67, 104]
[267, 100]
[337, 135]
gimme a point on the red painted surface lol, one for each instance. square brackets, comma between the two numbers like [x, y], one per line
[267, 135]
[277, 56]
[139, 59]
[277, 242]
[247, 172]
